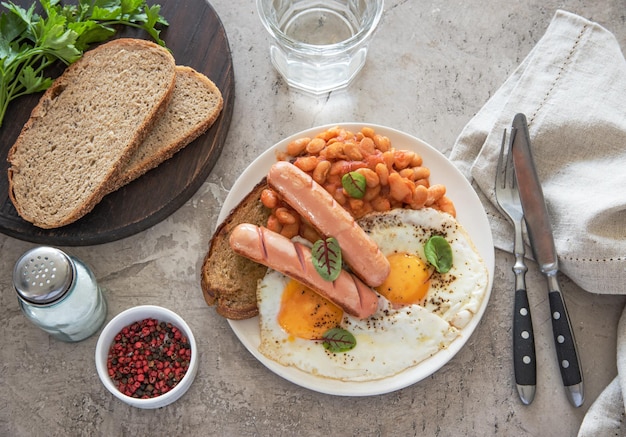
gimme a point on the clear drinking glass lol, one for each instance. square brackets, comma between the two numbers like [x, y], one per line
[319, 45]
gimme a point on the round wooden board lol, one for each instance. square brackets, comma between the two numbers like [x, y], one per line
[196, 37]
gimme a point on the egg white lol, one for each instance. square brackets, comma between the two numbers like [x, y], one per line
[393, 339]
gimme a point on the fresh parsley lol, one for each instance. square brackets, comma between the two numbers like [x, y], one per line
[29, 42]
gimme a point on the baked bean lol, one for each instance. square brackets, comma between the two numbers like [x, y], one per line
[388, 159]
[306, 163]
[382, 143]
[340, 168]
[419, 197]
[315, 146]
[435, 192]
[371, 160]
[290, 230]
[381, 204]
[339, 196]
[328, 134]
[407, 173]
[285, 216]
[269, 198]
[371, 178]
[372, 193]
[359, 207]
[308, 232]
[423, 182]
[273, 224]
[334, 180]
[296, 147]
[352, 151]
[383, 173]
[402, 159]
[417, 161]
[333, 151]
[355, 204]
[368, 132]
[421, 173]
[398, 187]
[445, 204]
[367, 146]
[321, 172]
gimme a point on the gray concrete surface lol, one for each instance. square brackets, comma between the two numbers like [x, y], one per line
[432, 65]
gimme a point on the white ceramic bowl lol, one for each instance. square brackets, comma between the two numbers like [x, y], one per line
[126, 318]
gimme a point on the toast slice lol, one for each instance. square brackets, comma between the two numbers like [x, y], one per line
[196, 103]
[228, 280]
[85, 128]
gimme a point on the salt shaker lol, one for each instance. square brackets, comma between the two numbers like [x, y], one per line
[59, 294]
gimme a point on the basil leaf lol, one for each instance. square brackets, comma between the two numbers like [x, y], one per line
[338, 340]
[439, 253]
[327, 258]
[354, 184]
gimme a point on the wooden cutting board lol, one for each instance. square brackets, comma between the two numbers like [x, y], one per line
[196, 37]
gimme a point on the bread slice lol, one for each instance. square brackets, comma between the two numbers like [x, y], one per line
[228, 280]
[195, 105]
[85, 127]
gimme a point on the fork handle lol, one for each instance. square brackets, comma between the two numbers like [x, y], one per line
[523, 341]
[524, 357]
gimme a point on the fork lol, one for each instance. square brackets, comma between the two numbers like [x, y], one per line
[507, 197]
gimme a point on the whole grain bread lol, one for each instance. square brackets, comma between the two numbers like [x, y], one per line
[85, 127]
[228, 280]
[195, 105]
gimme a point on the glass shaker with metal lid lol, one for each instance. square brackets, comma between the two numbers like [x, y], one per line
[59, 293]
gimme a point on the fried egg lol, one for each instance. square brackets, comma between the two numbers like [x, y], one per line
[401, 235]
[420, 311]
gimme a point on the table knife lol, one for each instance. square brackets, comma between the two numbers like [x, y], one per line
[542, 243]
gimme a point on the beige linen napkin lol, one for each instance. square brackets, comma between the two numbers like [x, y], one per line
[572, 88]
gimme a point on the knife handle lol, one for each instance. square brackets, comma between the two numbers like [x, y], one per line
[564, 340]
[524, 359]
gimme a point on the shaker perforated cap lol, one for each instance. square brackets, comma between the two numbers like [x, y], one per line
[43, 275]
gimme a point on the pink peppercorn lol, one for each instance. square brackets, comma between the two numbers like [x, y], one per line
[142, 356]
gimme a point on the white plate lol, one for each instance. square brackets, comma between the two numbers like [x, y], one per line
[470, 214]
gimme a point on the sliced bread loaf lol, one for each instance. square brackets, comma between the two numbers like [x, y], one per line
[195, 105]
[228, 280]
[85, 128]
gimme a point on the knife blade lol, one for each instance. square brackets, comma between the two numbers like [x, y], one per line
[542, 243]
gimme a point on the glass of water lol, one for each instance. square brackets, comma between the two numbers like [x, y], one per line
[319, 46]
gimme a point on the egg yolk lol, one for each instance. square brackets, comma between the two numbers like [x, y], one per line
[305, 314]
[408, 280]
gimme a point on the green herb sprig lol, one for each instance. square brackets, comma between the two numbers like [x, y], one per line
[29, 42]
[355, 184]
[439, 253]
[327, 258]
[338, 340]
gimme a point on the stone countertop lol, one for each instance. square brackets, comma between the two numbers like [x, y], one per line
[431, 67]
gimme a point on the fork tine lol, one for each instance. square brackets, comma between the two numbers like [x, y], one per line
[510, 169]
[500, 179]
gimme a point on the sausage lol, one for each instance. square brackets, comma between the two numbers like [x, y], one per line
[316, 205]
[294, 260]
